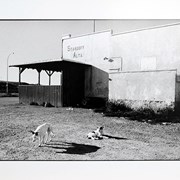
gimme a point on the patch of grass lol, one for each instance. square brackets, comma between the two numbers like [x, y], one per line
[125, 138]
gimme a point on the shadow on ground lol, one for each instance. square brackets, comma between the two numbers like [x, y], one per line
[114, 137]
[72, 148]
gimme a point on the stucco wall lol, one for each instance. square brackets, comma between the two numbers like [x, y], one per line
[152, 49]
[143, 86]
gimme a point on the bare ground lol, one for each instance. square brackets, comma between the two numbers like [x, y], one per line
[128, 140]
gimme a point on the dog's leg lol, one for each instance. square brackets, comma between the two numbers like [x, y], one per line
[105, 137]
[43, 139]
[100, 137]
[50, 136]
[47, 138]
[40, 141]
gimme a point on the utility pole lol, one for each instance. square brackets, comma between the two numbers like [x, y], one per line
[7, 91]
[94, 25]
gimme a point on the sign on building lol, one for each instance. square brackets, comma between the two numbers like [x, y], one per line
[90, 49]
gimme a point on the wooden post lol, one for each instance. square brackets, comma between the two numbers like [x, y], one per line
[20, 71]
[39, 75]
[49, 80]
[49, 73]
[19, 76]
[61, 78]
[62, 100]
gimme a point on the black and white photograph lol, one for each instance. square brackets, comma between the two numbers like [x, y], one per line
[90, 89]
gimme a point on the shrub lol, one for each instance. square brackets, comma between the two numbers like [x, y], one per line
[115, 106]
[34, 103]
[147, 113]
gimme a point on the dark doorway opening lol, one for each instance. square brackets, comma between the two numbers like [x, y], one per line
[73, 85]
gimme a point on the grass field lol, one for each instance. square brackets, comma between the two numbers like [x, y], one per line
[128, 140]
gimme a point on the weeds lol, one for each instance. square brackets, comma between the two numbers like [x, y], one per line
[123, 109]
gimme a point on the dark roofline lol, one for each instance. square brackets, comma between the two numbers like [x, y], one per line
[55, 65]
[48, 61]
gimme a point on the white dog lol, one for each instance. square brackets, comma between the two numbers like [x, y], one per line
[97, 134]
[43, 133]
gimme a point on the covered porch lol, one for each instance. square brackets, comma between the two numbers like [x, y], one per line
[69, 92]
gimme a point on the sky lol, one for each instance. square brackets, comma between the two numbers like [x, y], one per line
[37, 40]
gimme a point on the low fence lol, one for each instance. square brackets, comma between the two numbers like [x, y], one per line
[40, 94]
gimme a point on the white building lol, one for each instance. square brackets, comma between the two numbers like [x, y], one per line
[140, 67]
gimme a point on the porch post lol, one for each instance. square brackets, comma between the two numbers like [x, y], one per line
[39, 75]
[49, 80]
[62, 87]
[49, 73]
[61, 77]
[20, 71]
[19, 76]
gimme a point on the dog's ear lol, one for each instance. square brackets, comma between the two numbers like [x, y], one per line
[32, 132]
[36, 133]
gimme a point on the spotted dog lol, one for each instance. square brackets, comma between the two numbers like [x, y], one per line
[97, 134]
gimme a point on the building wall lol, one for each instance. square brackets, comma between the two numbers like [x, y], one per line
[90, 49]
[153, 53]
[143, 86]
[96, 82]
[147, 50]
[151, 49]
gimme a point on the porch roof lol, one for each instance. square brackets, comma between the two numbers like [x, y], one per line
[50, 65]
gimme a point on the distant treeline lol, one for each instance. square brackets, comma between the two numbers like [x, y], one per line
[12, 86]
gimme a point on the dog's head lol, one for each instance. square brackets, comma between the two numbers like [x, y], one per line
[100, 129]
[34, 136]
